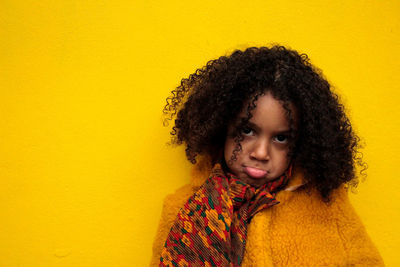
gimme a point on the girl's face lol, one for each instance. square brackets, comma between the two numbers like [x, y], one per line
[265, 145]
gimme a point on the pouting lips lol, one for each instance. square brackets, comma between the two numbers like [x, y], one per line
[255, 172]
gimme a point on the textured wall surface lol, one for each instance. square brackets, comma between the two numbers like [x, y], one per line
[84, 164]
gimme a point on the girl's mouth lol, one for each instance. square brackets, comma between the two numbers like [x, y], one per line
[255, 172]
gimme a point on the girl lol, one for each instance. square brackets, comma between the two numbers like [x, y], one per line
[279, 152]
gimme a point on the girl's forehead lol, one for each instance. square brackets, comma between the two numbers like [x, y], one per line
[267, 108]
[268, 103]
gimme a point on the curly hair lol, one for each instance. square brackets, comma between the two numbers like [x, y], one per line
[209, 100]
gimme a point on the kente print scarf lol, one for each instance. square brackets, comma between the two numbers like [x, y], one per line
[211, 228]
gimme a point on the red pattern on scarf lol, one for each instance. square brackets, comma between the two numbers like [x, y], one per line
[211, 228]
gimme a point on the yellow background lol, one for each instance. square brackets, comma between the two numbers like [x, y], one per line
[84, 164]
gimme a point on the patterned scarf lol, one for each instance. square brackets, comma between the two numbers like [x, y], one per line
[211, 228]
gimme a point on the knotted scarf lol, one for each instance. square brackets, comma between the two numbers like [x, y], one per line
[211, 228]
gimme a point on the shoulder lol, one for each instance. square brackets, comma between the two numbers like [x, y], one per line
[305, 227]
[299, 193]
[171, 206]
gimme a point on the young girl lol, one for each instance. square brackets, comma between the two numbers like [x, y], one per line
[279, 152]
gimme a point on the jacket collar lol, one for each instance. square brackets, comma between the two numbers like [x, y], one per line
[201, 171]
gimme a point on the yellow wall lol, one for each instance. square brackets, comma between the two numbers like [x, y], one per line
[83, 161]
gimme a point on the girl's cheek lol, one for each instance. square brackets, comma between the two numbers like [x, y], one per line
[228, 149]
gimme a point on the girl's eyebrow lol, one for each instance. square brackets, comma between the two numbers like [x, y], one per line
[252, 125]
[257, 128]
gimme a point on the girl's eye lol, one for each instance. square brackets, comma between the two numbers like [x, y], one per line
[281, 138]
[247, 131]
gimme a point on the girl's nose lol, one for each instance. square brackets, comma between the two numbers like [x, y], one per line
[260, 150]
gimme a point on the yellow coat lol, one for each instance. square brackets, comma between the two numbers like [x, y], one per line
[300, 231]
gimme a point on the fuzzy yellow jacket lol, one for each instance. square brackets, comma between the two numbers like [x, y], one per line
[300, 231]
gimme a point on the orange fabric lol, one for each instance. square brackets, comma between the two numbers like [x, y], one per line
[301, 231]
[211, 228]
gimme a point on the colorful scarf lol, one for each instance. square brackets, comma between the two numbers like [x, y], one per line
[211, 228]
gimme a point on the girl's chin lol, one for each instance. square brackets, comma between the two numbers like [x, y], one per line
[254, 181]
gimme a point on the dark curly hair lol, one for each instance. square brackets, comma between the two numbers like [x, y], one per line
[209, 100]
